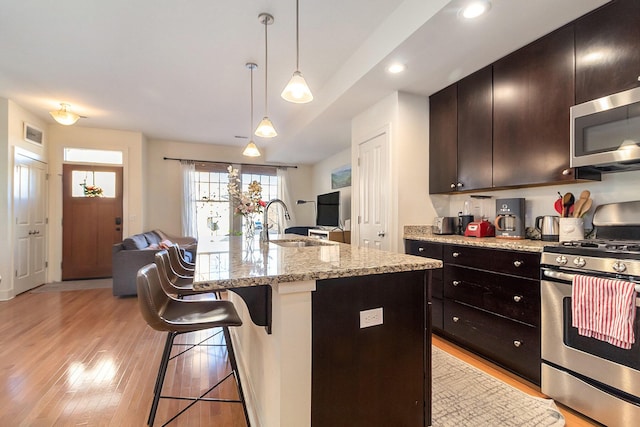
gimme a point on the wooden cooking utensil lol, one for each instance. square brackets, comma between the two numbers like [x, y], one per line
[578, 206]
[585, 194]
[567, 202]
[585, 207]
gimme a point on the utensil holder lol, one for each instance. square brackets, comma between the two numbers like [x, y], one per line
[571, 229]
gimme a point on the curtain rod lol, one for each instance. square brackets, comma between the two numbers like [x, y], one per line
[231, 163]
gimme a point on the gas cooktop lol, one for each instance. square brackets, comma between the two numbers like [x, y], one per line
[629, 249]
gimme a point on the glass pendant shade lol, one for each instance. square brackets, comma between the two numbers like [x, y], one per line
[64, 116]
[251, 150]
[265, 129]
[297, 90]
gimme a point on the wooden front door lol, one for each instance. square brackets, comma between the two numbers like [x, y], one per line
[91, 224]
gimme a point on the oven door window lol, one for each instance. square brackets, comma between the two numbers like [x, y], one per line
[630, 358]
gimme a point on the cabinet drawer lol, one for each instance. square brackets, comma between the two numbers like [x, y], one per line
[509, 296]
[427, 250]
[524, 264]
[512, 344]
[422, 248]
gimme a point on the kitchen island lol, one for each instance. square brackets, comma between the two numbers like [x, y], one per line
[332, 335]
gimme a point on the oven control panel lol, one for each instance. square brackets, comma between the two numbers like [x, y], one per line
[592, 264]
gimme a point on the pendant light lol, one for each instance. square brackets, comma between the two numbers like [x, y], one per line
[64, 115]
[297, 90]
[251, 150]
[265, 128]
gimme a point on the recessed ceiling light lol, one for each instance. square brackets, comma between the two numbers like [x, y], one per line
[396, 68]
[475, 9]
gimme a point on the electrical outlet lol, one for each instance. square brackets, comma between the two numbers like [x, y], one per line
[371, 317]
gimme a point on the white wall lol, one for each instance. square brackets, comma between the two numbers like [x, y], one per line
[322, 184]
[12, 119]
[164, 179]
[132, 144]
[405, 117]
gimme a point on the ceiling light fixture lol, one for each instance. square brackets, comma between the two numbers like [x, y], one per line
[251, 150]
[64, 115]
[265, 128]
[396, 68]
[297, 90]
[475, 9]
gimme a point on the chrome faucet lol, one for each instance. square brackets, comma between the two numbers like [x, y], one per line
[264, 233]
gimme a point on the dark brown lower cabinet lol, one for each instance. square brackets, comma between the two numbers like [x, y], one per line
[487, 300]
[375, 376]
[430, 250]
[511, 344]
[492, 305]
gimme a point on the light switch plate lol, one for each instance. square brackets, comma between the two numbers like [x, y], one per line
[371, 317]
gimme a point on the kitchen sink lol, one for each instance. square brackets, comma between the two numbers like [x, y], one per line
[300, 243]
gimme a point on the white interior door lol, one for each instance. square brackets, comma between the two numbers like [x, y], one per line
[373, 185]
[29, 201]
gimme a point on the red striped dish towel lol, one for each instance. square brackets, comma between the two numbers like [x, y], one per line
[604, 309]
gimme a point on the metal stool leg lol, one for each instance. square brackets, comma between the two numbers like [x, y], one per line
[162, 370]
[236, 373]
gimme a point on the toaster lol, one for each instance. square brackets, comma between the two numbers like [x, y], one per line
[444, 225]
[480, 229]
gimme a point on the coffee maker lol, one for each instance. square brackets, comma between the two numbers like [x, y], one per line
[510, 218]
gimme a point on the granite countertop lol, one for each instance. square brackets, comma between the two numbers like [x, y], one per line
[424, 232]
[230, 264]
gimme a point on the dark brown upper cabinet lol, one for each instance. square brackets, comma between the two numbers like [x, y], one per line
[607, 43]
[533, 89]
[461, 135]
[443, 140]
[475, 130]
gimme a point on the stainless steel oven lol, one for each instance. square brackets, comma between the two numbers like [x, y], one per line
[597, 379]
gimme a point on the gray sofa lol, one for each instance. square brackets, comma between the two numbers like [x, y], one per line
[139, 250]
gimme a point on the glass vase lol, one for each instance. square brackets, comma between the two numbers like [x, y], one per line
[249, 231]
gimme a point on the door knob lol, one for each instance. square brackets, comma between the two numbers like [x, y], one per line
[381, 233]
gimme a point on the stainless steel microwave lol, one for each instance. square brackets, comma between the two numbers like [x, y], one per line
[605, 132]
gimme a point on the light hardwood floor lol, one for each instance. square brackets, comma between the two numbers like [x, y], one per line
[88, 358]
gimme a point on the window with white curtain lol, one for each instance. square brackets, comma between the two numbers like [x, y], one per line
[214, 216]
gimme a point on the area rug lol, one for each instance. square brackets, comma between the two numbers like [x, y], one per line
[74, 285]
[464, 396]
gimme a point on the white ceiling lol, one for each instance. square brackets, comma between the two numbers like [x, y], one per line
[175, 70]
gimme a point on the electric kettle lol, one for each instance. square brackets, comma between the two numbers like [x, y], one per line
[549, 227]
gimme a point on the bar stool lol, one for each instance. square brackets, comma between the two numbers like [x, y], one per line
[185, 267]
[167, 314]
[176, 284]
[174, 276]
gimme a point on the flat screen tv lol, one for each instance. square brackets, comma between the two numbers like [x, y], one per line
[328, 209]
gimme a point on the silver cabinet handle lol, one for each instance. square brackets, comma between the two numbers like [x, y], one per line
[455, 319]
[455, 283]
[420, 249]
[517, 343]
[381, 233]
[517, 298]
[30, 232]
[518, 263]
[456, 254]
[453, 185]
[460, 185]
